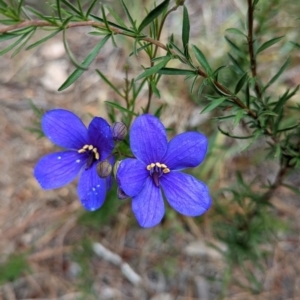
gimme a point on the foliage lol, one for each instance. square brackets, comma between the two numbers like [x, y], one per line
[247, 99]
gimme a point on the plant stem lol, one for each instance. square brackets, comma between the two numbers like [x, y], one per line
[251, 49]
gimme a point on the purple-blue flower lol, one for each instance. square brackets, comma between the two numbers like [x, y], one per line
[85, 148]
[157, 167]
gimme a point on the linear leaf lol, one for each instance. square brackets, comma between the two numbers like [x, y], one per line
[269, 44]
[117, 18]
[67, 3]
[153, 14]
[128, 14]
[86, 62]
[155, 89]
[13, 45]
[174, 71]
[234, 47]
[140, 49]
[275, 77]
[241, 83]
[23, 44]
[235, 31]
[109, 83]
[185, 28]
[58, 6]
[48, 37]
[7, 36]
[154, 69]
[213, 104]
[121, 108]
[202, 60]
[237, 66]
[234, 136]
[70, 54]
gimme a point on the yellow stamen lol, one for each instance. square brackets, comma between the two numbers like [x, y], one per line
[97, 155]
[81, 151]
[152, 165]
[158, 164]
[163, 166]
[91, 147]
[166, 170]
[149, 167]
[85, 146]
[95, 150]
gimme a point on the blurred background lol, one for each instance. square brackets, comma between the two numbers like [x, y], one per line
[50, 248]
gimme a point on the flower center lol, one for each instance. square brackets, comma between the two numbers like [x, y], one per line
[92, 153]
[156, 170]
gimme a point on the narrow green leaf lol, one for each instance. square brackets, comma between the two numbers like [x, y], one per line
[58, 6]
[86, 62]
[237, 66]
[213, 104]
[13, 45]
[80, 7]
[235, 31]
[40, 15]
[90, 8]
[241, 83]
[128, 14]
[174, 71]
[8, 22]
[140, 49]
[48, 37]
[109, 83]
[202, 60]
[116, 17]
[234, 47]
[70, 54]
[20, 7]
[120, 108]
[153, 14]
[104, 18]
[155, 89]
[234, 136]
[67, 3]
[154, 69]
[185, 28]
[173, 46]
[275, 77]
[128, 31]
[269, 44]
[238, 117]
[23, 44]
[296, 45]
[7, 36]
[193, 84]
[288, 128]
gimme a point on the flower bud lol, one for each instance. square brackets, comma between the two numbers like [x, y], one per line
[119, 131]
[121, 194]
[115, 168]
[104, 169]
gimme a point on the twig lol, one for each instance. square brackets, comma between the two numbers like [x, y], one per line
[251, 49]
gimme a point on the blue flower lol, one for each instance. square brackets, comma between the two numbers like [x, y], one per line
[157, 166]
[85, 148]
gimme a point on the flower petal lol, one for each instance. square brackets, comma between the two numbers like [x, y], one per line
[148, 139]
[64, 129]
[186, 150]
[91, 189]
[58, 169]
[186, 194]
[131, 176]
[100, 136]
[148, 205]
